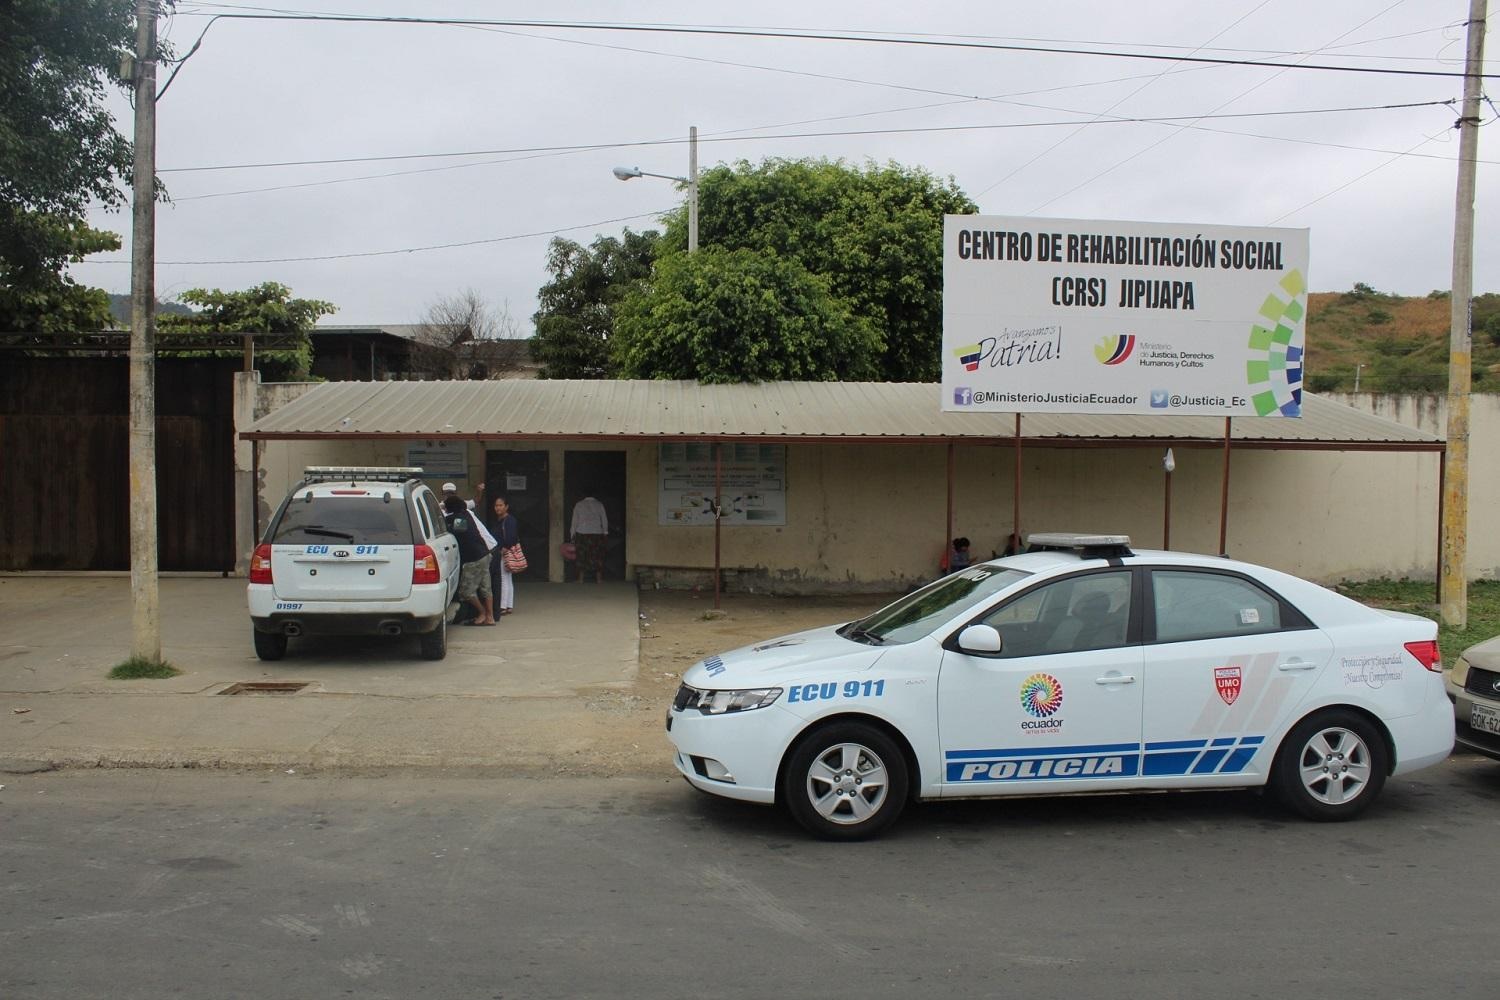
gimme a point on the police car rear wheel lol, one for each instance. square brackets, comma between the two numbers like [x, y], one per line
[269, 645]
[1331, 766]
[845, 781]
[435, 643]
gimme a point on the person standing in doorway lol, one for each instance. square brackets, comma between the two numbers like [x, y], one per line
[507, 532]
[590, 532]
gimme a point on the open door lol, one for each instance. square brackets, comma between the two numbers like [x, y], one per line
[521, 477]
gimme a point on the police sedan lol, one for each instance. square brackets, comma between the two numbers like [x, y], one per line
[1079, 666]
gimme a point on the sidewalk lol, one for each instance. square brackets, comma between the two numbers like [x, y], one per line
[536, 694]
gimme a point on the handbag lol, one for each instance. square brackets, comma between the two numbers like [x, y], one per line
[515, 559]
[569, 551]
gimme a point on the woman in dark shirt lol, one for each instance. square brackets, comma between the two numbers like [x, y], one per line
[507, 532]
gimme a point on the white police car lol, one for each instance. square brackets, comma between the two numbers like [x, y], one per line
[354, 551]
[1079, 666]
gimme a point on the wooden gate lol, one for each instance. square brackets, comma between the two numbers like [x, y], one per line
[65, 464]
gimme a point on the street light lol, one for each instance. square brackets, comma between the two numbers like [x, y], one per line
[691, 180]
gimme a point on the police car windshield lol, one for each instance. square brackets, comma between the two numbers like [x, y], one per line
[361, 520]
[917, 614]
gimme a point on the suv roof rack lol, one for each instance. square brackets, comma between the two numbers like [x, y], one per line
[1094, 546]
[367, 473]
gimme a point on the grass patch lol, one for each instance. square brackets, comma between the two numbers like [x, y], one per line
[1417, 597]
[138, 667]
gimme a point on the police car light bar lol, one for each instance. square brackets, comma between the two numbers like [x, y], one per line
[368, 473]
[1089, 545]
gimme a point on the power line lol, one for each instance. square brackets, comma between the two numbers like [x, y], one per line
[581, 147]
[729, 32]
[1172, 135]
[389, 253]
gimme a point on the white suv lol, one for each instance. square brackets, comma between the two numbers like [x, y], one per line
[354, 551]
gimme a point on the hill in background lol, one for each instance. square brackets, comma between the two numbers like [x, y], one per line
[1401, 342]
[119, 307]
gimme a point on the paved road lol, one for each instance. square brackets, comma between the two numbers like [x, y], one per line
[145, 884]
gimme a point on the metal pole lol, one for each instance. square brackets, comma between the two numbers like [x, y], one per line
[693, 189]
[1166, 523]
[1442, 476]
[948, 537]
[145, 618]
[1224, 495]
[1015, 528]
[718, 512]
[1453, 576]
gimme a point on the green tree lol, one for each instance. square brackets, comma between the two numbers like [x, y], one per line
[266, 308]
[577, 314]
[59, 152]
[740, 316]
[875, 233]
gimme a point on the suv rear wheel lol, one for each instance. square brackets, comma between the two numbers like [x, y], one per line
[269, 645]
[435, 643]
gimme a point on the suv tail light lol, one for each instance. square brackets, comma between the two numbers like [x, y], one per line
[260, 564]
[1427, 654]
[424, 565]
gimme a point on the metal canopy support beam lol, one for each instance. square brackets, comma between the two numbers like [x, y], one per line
[718, 512]
[1015, 526]
[948, 533]
[1224, 495]
[1442, 512]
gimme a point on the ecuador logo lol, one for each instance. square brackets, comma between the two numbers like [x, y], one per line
[969, 355]
[1113, 350]
[1041, 695]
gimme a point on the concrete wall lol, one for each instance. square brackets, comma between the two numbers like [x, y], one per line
[1429, 412]
[871, 517]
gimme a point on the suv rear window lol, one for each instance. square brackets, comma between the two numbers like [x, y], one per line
[360, 520]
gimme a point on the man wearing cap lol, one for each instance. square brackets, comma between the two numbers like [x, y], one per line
[485, 595]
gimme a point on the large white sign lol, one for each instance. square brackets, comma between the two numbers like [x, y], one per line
[1087, 316]
[752, 484]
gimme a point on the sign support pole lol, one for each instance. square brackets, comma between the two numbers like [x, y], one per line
[948, 538]
[1224, 495]
[718, 513]
[1015, 531]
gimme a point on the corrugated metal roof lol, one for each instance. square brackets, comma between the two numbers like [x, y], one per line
[890, 411]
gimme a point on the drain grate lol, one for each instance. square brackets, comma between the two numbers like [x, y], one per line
[266, 687]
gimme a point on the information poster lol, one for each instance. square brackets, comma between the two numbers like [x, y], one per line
[1091, 316]
[752, 484]
[439, 459]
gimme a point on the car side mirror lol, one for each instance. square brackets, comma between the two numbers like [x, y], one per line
[980, 639]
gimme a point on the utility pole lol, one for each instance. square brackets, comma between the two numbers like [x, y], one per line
[145, 618]
[1454, 581]
[693, 190]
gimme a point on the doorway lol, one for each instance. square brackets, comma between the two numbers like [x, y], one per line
[603, 474]
[521, 477]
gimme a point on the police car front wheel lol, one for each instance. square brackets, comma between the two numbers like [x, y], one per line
[845, 781]
[1331, 766]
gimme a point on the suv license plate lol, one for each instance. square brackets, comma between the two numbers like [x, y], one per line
[1486, 720]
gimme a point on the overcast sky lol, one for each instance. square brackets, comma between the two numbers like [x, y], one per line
[271, 91]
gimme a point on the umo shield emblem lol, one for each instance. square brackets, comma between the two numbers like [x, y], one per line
[1227, 683]
[341, 553]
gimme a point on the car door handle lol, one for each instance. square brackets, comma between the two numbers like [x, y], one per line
[1291, 665]
[1116, 679]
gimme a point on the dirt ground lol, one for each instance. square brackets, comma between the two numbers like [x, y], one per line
[678, 629]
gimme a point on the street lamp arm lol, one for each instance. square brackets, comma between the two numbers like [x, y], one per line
[630, 173]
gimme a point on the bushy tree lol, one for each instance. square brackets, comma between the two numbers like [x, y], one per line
[874, 233]
[266, 308]
[577, 314]
[59, 152]
[743, 315]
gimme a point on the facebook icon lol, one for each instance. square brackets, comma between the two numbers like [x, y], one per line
[963, 396]
[1159, 399]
